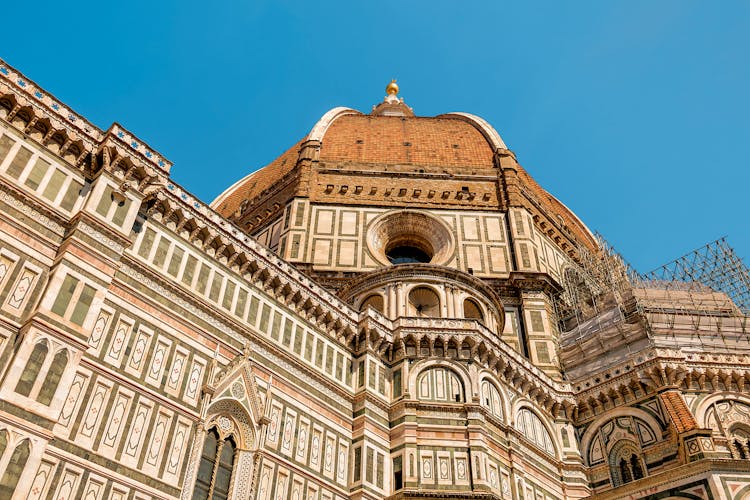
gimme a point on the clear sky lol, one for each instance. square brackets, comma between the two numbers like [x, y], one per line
[635, 113]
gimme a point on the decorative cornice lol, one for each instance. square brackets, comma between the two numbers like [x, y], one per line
[28, 94]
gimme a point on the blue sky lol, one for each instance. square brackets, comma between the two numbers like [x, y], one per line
[634, 114]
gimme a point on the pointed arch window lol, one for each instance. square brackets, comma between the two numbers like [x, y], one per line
[3, 441]
[215, 469]
[32, 368]
[52, 380]
[13, 470]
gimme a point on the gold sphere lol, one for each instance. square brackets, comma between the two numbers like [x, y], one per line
[391, 88]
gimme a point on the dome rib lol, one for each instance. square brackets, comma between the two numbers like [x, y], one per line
[321, 127]
[489, 132]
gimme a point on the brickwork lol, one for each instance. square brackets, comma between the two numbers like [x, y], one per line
[427, 142]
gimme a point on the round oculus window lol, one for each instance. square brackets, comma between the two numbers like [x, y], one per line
[407, 254]
[410, 237]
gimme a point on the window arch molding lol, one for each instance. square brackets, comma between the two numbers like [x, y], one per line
[41, 370]
[488, 382]
[25, 450]
[232, 423]
[526, 406]
[626, 462]
[232, 419]
[421, 366]
[593, 429]
[702, 409]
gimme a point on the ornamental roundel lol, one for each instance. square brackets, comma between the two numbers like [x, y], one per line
[238, 390]
[224, 424]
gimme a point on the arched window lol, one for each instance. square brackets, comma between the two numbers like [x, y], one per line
[625, 463]
[3, 441]
[424, 302]
[635, 466]
[14, 469]
[625, 473]
[530, 425]
[726, 418]
[491, 398]
[31, 370]
[472, 310]
[739, 441]
[56, 369]
[440, 384]
[206, 467]
[738, 448]
[375, 301]
[215, 468]
[224, 470]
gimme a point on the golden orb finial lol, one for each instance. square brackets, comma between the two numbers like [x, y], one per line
[391, 88]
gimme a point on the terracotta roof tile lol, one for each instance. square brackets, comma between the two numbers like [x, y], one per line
[262, 179]
[678, 411]
[406, 140]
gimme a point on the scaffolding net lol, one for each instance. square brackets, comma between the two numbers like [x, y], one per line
[715, 266]
[704, 291]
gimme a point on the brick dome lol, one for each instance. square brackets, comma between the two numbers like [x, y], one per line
[390, 139]
[402, 140]
[345, 135]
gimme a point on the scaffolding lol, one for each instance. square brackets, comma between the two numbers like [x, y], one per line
[715, 266]
[701, 294]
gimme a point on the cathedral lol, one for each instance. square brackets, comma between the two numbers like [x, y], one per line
[393, 308]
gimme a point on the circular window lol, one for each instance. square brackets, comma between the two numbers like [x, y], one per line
[410, 237]
[407, 254]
